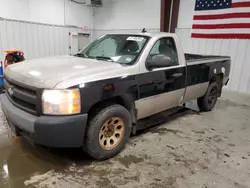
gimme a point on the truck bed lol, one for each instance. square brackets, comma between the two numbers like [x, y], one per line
[197, 57]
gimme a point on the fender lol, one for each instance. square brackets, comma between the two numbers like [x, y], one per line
[121, 90]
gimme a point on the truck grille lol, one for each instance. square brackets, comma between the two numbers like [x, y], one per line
[22, 97]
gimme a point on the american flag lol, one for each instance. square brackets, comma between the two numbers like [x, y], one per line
[224, 19]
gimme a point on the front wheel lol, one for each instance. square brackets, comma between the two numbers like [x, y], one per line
[108, 132]
[208, 101]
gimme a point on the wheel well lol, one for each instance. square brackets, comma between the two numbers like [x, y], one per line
[218, 78]
[114, 100]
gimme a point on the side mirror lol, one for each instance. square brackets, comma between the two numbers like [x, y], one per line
[159, 61]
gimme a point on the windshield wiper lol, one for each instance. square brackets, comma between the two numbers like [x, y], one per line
[81, 55]
[104, 58]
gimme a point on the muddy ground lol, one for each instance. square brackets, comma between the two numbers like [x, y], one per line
[189, 150]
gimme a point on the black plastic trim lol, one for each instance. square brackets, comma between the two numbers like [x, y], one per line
[61, 131]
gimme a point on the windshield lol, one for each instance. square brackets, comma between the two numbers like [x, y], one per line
[123, 49]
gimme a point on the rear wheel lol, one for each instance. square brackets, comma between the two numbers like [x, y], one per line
[108, 132]
[208, 101]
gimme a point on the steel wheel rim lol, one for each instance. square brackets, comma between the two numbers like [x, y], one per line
[111, 133]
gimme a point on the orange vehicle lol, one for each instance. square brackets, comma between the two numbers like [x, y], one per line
[12, 56]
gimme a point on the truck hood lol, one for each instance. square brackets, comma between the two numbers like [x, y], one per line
[62, 72]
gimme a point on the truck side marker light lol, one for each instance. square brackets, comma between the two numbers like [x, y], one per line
[108, 87]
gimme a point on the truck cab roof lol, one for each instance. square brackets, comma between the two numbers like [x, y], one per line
[148, 34]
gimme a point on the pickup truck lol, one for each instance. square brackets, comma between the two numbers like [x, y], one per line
[96, 99]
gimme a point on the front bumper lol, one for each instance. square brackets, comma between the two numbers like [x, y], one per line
[51, 131]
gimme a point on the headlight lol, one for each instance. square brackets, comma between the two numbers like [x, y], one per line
[61, 102]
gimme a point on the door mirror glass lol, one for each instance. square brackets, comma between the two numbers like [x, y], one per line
[159, 61]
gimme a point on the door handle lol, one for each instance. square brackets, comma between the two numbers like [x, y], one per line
[177, 75]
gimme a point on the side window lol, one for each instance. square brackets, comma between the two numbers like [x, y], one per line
[165, 47]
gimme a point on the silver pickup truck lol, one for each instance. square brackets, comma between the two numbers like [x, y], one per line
[98, 97]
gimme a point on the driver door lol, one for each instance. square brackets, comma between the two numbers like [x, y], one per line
[161, 88]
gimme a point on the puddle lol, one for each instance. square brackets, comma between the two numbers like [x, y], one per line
[163, 131]
[128, 160]
[198, 132]
[20, 160]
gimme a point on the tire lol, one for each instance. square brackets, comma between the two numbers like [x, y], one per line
[104, 127]
[208, 101]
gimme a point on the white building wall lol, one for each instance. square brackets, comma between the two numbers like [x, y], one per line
[41, 27]
[121, 16]
[40, 40]
[186, 12]
[59, 12]
[236, 48]
[79, 15]
[36, 40]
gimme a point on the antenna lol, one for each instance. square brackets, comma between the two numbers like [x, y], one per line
[143, 30]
